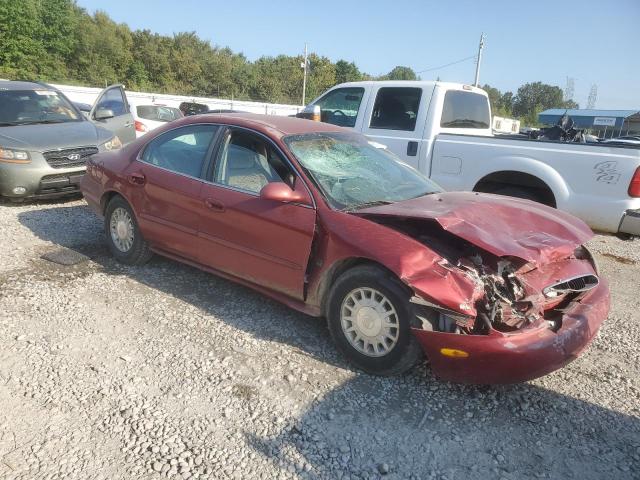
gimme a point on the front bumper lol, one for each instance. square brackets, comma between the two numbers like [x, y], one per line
[38, 180]
[520, 356]
[630, 222]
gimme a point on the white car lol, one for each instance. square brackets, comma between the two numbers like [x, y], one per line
[148, 116]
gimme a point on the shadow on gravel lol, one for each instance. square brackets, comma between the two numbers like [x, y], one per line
[408, 427]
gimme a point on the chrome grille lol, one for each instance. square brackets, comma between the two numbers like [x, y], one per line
[70, 157]
[581, 283]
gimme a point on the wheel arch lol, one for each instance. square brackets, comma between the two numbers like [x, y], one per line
[339, 267]
[550, 189]
[108, 195]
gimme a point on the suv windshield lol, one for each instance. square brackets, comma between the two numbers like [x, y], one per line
[158, 113]
[354, 173]
[23, 107]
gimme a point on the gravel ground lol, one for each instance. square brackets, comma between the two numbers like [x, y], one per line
[113, 372]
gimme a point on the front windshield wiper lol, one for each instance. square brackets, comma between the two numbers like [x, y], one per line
[359, 206]
[38, 122]
[13, 124]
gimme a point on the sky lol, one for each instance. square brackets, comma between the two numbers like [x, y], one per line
[593, 42]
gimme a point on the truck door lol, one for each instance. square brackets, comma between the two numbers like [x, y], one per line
[396, 118]
[341, 106]
[111, 111]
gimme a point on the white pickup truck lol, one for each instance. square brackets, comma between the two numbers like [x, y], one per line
[444, 131]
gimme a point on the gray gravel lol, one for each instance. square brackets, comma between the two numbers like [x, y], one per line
[163, 371]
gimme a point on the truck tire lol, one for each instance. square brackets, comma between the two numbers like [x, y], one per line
[520, 192]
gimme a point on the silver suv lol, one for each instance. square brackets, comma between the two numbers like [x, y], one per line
[45, 140]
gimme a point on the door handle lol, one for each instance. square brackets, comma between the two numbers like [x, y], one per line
[412, 149]
[214, 205]
[128, 124]
[137, 179]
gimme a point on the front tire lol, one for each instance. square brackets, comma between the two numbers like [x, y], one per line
[125, 241]
[368, 314]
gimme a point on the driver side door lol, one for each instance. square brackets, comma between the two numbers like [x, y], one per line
[122, 124]
[265, 242]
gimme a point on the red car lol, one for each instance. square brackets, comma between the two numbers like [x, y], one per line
[492, 289]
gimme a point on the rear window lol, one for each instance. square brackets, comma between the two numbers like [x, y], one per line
[158, 113]
[465, 110]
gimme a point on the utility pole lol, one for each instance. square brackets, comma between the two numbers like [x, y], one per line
[304, 77]
[480, 47]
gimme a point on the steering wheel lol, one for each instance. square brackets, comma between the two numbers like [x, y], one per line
[340, 112]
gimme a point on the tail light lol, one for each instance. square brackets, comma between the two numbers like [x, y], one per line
[634, 186]
[140, 127]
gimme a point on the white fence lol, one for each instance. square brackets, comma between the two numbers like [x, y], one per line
[89, 95]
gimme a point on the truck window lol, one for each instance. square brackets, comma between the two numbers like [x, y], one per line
[340, 107]
[396, 108]
[465, 110]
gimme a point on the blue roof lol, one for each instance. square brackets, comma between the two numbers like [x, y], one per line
[584, 112]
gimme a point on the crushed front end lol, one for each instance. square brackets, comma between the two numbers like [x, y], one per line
[525, 321]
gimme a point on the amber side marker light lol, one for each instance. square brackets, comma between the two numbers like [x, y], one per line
[452, 352]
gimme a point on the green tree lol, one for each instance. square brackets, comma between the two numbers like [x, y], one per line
[533, 98]
[400, 73]
[347, 72]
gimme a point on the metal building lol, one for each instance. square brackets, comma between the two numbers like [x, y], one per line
[603, 123]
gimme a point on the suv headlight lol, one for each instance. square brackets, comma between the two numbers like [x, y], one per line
[9, 155]
[112, 144]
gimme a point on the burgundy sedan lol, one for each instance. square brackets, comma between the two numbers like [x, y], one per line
[492, 289]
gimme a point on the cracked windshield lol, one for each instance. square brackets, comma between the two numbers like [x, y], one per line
[354, 173]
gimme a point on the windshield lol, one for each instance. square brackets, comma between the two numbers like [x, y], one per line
[353, 172]
[23, 107]
[158, 113]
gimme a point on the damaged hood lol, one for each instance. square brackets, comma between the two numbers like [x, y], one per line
[503, 226]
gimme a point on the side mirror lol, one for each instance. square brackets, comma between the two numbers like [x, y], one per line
[311, 112]
[281, 192]
[103, 114]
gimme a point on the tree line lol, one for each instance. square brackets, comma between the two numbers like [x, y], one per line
[58, 41]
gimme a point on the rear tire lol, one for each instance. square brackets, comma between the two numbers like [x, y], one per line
[368, 313]
[125, 241]
[520, 192]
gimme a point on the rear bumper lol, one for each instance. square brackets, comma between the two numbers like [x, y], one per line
[518, 357]
[630, 222]
[91, 190]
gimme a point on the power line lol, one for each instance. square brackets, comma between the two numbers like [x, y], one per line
[447, 65]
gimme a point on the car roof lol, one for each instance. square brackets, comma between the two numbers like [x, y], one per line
[23, 85]
[275, 125]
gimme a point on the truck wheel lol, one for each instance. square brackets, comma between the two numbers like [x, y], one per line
[123, 235]
[519, 192]
[368, 314]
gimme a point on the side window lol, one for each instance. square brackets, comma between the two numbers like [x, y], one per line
[248, 163]
[396, 108]
[340, 107]
[182, 150]
[112, 100]
[465, 110]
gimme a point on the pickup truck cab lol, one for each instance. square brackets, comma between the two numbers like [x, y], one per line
[444, 131]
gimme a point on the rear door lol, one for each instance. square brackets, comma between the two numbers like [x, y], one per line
[113, 99]
[396, 117]
[166, 184]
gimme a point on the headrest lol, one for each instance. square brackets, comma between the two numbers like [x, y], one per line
[240, 158]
